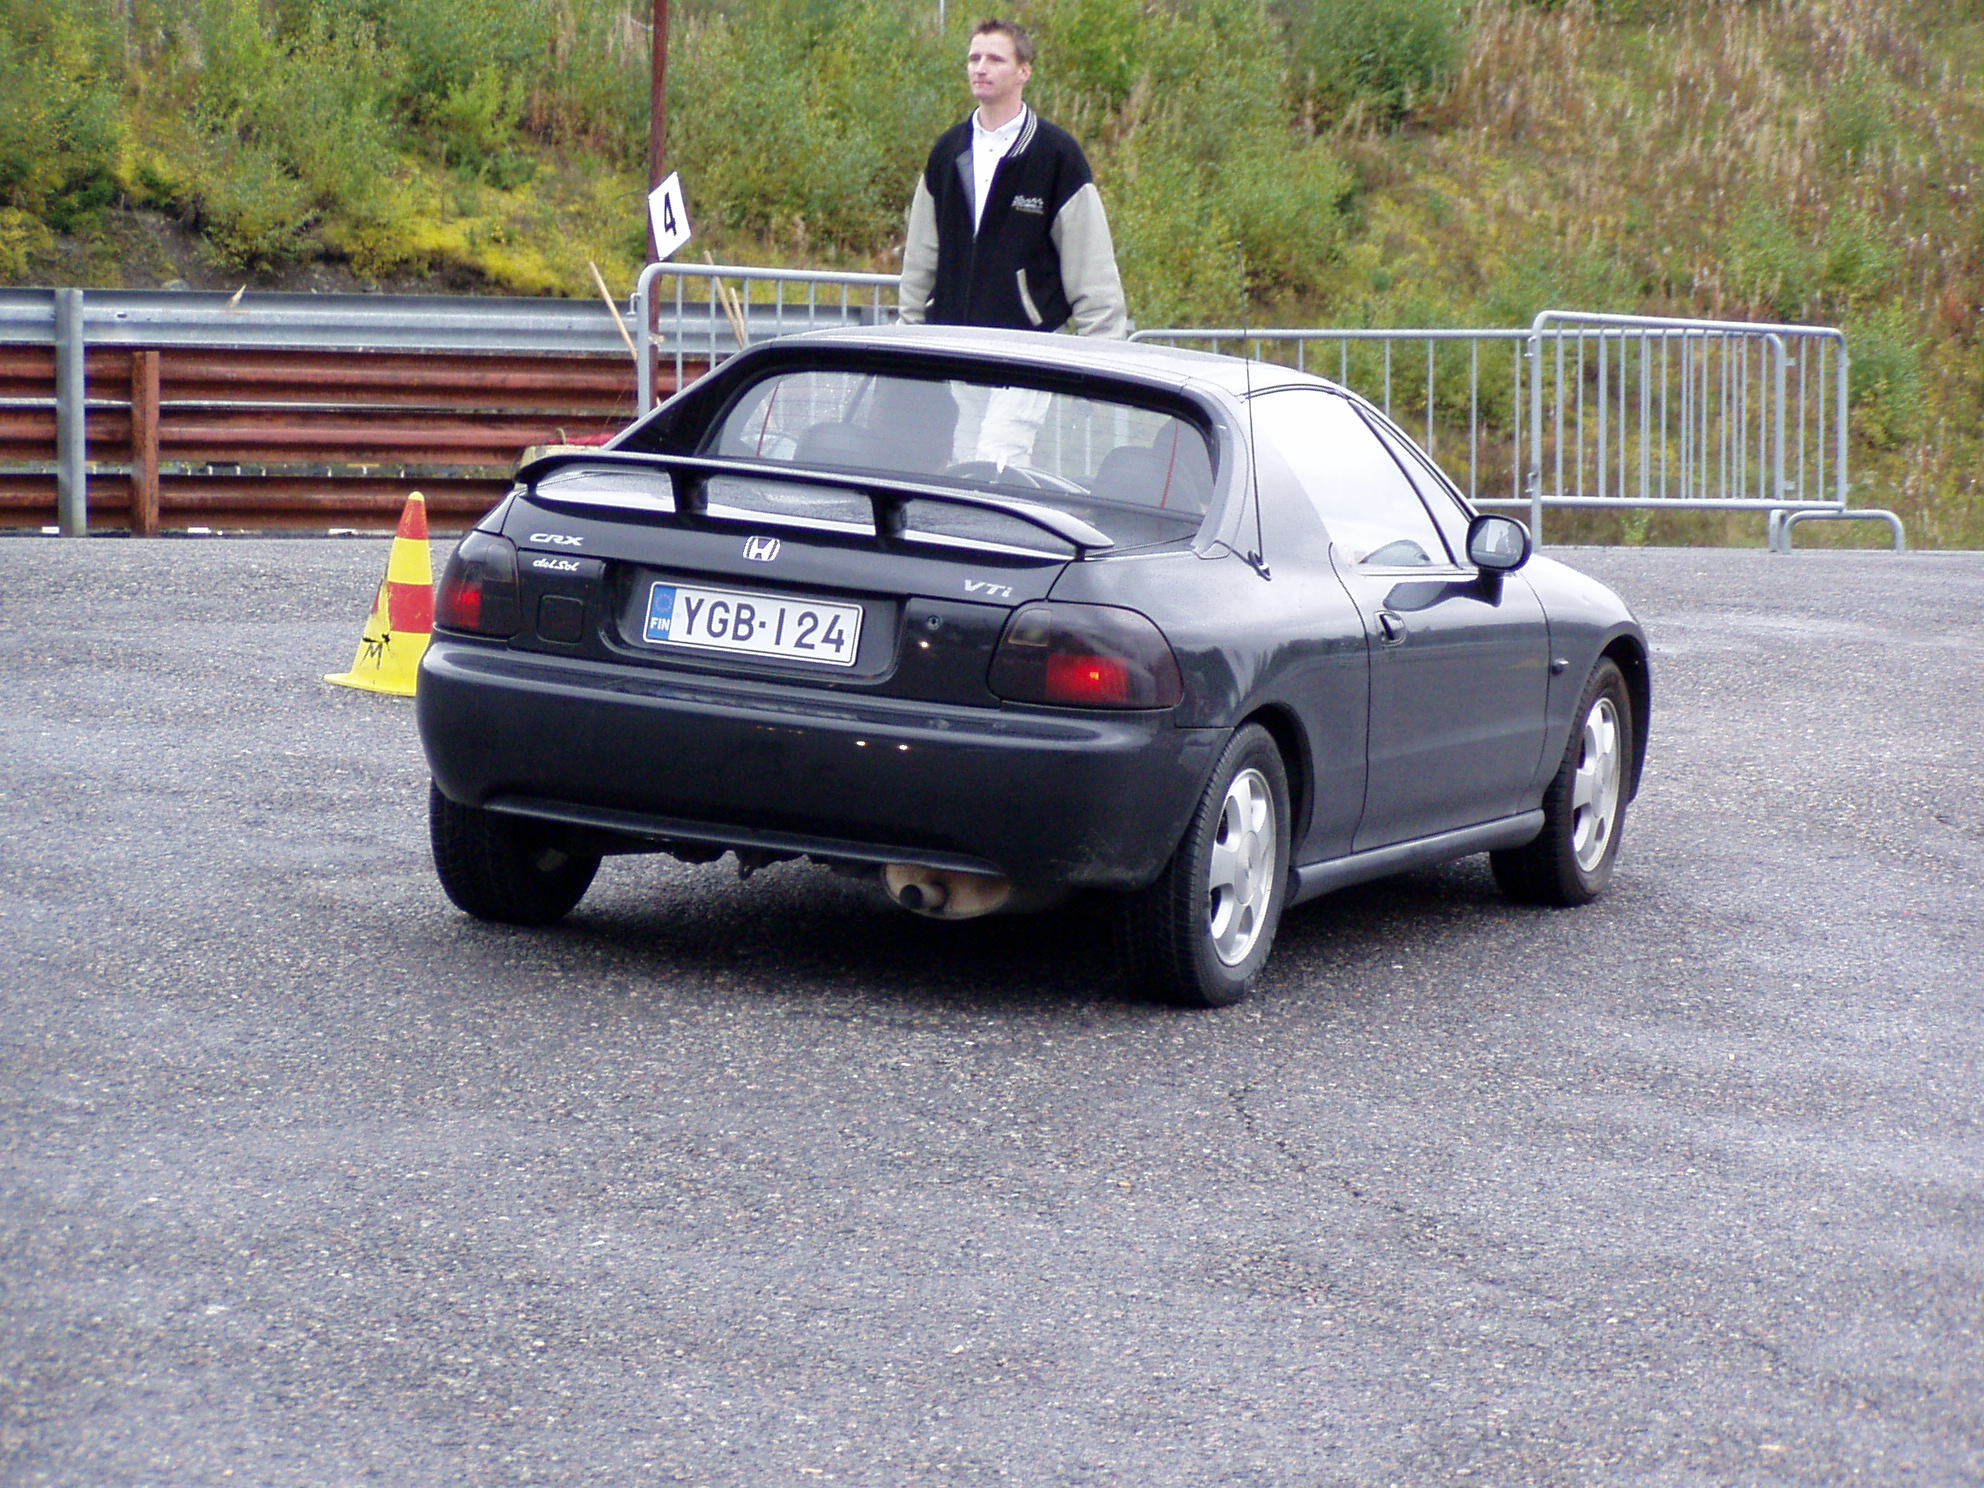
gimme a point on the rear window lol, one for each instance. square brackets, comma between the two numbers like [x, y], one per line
[1137, 473]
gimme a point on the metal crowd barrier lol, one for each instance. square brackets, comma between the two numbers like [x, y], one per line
[1606, 411]
[788, 301]
[1455, 391]
[1707, 415]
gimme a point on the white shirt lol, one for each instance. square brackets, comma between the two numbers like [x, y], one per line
[988, 148]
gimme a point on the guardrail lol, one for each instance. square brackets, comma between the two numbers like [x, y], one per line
[316, 411]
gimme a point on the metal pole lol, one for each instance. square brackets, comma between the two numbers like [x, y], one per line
[643, 347]
[1780, 490]
[1429, 395]
[657, 154]
[1536, 435]
[71, 411]
[1604, 401]
[657, 104]
[1839, 430]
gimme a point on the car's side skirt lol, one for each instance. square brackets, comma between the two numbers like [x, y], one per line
[1313, 879]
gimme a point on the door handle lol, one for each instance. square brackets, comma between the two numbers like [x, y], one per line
[1391, 628]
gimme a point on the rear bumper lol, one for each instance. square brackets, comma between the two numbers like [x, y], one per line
[1089, 800]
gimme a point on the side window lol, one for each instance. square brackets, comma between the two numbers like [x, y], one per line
[1439, 493]
[1371, 511]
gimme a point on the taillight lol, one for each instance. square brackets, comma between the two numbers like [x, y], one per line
[1085, 656]
[478, 592]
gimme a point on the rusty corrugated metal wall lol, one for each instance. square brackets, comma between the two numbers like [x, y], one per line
[268, 439]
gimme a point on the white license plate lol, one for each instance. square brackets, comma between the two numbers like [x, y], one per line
[753, 624]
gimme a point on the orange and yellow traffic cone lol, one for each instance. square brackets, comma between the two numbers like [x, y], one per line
[402, 620]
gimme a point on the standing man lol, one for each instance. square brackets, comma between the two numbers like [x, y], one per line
[1006, 227]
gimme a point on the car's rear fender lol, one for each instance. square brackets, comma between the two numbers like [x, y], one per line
[1220, 620]
[1298, 757]
[1628, 652]
[1289, 652]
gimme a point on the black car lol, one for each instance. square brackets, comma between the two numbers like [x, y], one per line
[1001, 617]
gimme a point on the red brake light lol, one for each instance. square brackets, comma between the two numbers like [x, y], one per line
[1100, 681]
[1085, 656]
[462, 607]
[478, 591]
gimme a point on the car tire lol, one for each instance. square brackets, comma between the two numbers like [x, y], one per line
[504, 868]
[1199, 936]
[1584, 810]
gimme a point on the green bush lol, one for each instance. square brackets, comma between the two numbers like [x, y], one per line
[1286, 202]
[1211, 194]
[734, 131]
[1619, 10]
[307, 113]
[22, 239]
[1385, 56]
[1771, 265]
[1089, 49]
[236, 55]
[1885, 378]
[298, 110]
[253, 211]
[1213, 80]
[476, 124]
[1180, 257]
[58, 111]
[1553, 275]
[448, 44]
[325, 111]
[881, 92]
[1858, 122]
[786, 135]
[1791, 275]
[591, 87]
[1857, 262]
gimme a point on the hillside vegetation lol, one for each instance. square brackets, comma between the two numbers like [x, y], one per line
[1294, 162]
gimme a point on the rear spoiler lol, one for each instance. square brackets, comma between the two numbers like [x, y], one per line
[690, 476]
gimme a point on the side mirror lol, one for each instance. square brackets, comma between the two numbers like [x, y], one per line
[1497, 544]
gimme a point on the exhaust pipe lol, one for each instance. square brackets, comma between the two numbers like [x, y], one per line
[945, 895]
[941, 894]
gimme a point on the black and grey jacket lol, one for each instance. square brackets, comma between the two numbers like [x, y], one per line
[1041, 255]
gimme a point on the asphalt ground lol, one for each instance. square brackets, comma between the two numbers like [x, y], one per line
[307, 1179]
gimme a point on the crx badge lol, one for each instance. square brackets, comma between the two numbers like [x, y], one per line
[761, 549]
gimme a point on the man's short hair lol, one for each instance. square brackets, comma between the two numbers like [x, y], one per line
[1020, 37]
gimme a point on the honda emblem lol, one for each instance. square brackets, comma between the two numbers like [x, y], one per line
[761, 549]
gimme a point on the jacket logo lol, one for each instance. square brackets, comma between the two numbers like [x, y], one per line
[1035, 204]
[761, 549]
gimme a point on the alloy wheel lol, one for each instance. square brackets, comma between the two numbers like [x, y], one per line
[1240, 880]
